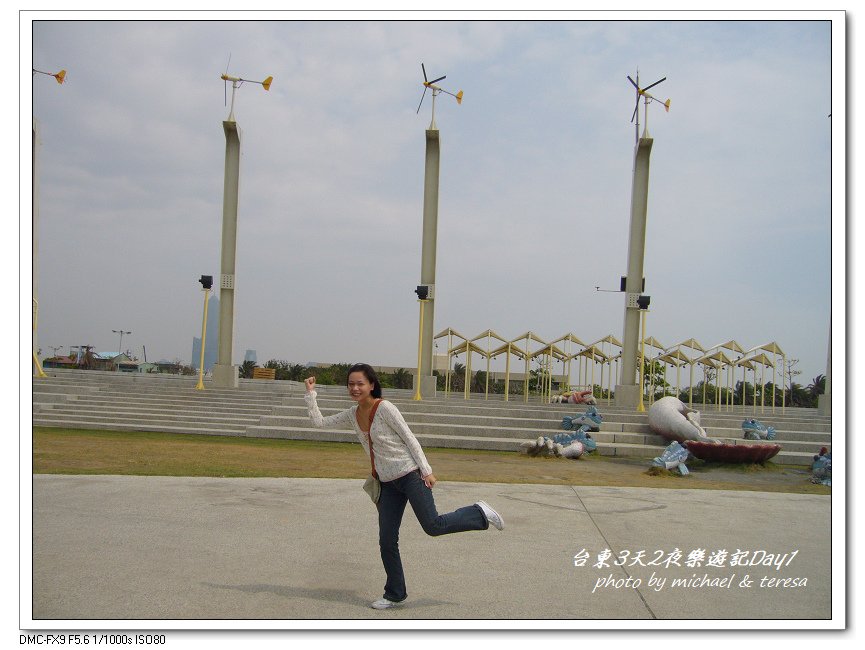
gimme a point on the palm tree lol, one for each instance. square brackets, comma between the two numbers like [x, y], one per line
[458, 377]
[246, 369]
[817, 386]
[401, 378]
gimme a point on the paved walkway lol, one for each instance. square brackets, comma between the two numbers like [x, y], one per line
[261, 551]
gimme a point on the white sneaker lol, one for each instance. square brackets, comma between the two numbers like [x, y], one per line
[494, 518]
[384, 603]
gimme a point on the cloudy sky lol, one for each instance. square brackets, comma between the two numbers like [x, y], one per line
[535, 180]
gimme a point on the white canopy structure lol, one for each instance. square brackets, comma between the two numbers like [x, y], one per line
[692, 344]
[734, 347]
[528, 336]
[488, 335]
[607, 356]
[603, 352]
[651, 342]
[717, 360]
[764, 361]
[776, 350]
[467, 348]
[592, 355]
[548, 354]
[565, 343]
[676, 358]
[450, 333]
[508, 349]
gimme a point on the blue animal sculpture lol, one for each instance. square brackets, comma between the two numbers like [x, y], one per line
[756, 430]
[590, 418]
[544, 446]
[674, 455]
[581, 435]
[822, 468]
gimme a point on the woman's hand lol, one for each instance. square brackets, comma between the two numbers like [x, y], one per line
[429, 481]
[310, 384]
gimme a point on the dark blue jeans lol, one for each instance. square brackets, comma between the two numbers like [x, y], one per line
[391, 506]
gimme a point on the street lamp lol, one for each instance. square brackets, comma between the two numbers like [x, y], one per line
[206, 284]
[37, 366]
[121, 332]
[643, 304]
[423, 292]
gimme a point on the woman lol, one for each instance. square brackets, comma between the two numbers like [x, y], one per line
[403, 470]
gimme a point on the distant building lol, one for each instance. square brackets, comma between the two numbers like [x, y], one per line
[60, 362]
[170, 367]
[250, 356]
[211, 345]
[114, 361]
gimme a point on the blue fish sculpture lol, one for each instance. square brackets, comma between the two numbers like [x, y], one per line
[822, 469]
[674, 455]
[756, 430]
[590, 418]
[581, 435]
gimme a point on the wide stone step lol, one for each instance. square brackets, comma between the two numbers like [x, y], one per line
[155, 419]
[105, 400]
[180, 427]
[201, 408]
[558, 411]
[185, 397]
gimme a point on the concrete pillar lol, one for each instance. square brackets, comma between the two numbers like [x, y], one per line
[225, 374]
[428, 257]
[627, 391]
[35, 192]
[824, 401]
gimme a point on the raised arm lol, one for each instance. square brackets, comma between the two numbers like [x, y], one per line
[341, 420]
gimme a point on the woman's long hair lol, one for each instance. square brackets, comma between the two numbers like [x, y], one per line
[370, 375]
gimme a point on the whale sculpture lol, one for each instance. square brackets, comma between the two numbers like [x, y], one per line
[756, 430]
[669, 417]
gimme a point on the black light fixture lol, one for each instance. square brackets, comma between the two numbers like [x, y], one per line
[624, 279]
[643, 302]
[206, 281]
[422, 291]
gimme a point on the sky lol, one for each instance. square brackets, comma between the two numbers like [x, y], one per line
[535, 180]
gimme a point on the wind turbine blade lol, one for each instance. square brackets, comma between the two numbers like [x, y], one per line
[439, 79]
[634, 83]
[424, 71]
[654, 84]
[636, 108]
[421, 101]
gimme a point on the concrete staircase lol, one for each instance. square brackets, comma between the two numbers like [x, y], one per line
[275, 409]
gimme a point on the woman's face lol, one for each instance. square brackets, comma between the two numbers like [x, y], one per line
[359, 387]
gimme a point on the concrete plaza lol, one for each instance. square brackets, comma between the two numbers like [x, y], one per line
[282, 552]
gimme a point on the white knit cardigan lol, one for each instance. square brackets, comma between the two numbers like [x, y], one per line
[397, 451]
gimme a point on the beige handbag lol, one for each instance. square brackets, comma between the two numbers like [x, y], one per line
[372, 486]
